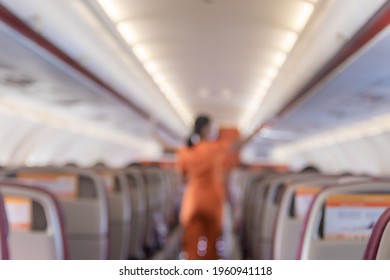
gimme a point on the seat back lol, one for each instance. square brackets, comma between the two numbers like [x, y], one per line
[378, 247]
[176, 194]
[172, 196]
[162, 221]
[340, 220]
[292, 211]
[36, 223]
[255, 198]
[119, 211]
[154, 200]
[138, 203]
[249, 185]
[269, 209]
[83, 197]
[169, 187]
[240, 181]
[4, 253]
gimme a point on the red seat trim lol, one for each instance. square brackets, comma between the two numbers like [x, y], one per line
[376, 236]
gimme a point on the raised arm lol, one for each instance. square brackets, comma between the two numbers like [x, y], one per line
[239, 144]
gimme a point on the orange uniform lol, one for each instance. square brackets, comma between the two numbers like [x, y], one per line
[202, 205]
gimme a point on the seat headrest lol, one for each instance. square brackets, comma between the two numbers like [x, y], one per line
[39, 221]
[4, 253]
[376, 236]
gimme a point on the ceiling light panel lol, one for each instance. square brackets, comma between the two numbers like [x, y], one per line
[304, 14]
[132, 36]
[127, 32]
[287, 41]
[218, 45]
[141, 53]
[151, 67]
[159, 78]
[114, 11]
[279, 58]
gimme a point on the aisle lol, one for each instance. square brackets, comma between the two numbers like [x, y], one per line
[230, 248]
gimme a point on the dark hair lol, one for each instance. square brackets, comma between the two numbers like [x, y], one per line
[100, 164]
[133, 164]
[200, 123]
[71, 164]
[310, 169]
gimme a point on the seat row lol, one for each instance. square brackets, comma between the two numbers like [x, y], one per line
[313, 216]
[96, 213]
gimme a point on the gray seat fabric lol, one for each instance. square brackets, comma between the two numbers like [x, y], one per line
[288, 224]
[86, 214]
[155, 201]
[313, 243]
[138, 202]
[120, 212]
[269, 209]
[44, 239]
[247, 192]
[3, 231]
[253, 200]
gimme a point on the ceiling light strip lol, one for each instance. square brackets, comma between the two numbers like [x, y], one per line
[125, 29]
[268, 78]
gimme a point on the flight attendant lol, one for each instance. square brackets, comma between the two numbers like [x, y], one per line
[203, 164]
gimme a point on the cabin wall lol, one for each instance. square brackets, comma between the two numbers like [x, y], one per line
[31, 142]
[368, 155]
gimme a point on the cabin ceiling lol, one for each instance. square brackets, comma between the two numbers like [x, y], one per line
[216, 56]
[238, 61]
[189, 57]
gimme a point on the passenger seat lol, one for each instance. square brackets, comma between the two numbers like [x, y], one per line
[83, 197]
[138, 203]
[119, 211]
[378, 247]
[4, 253]
[36, 223]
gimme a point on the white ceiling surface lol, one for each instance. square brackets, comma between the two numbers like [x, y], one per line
[214, 54]
[211, 52]
[217, 56]
[75, 29]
